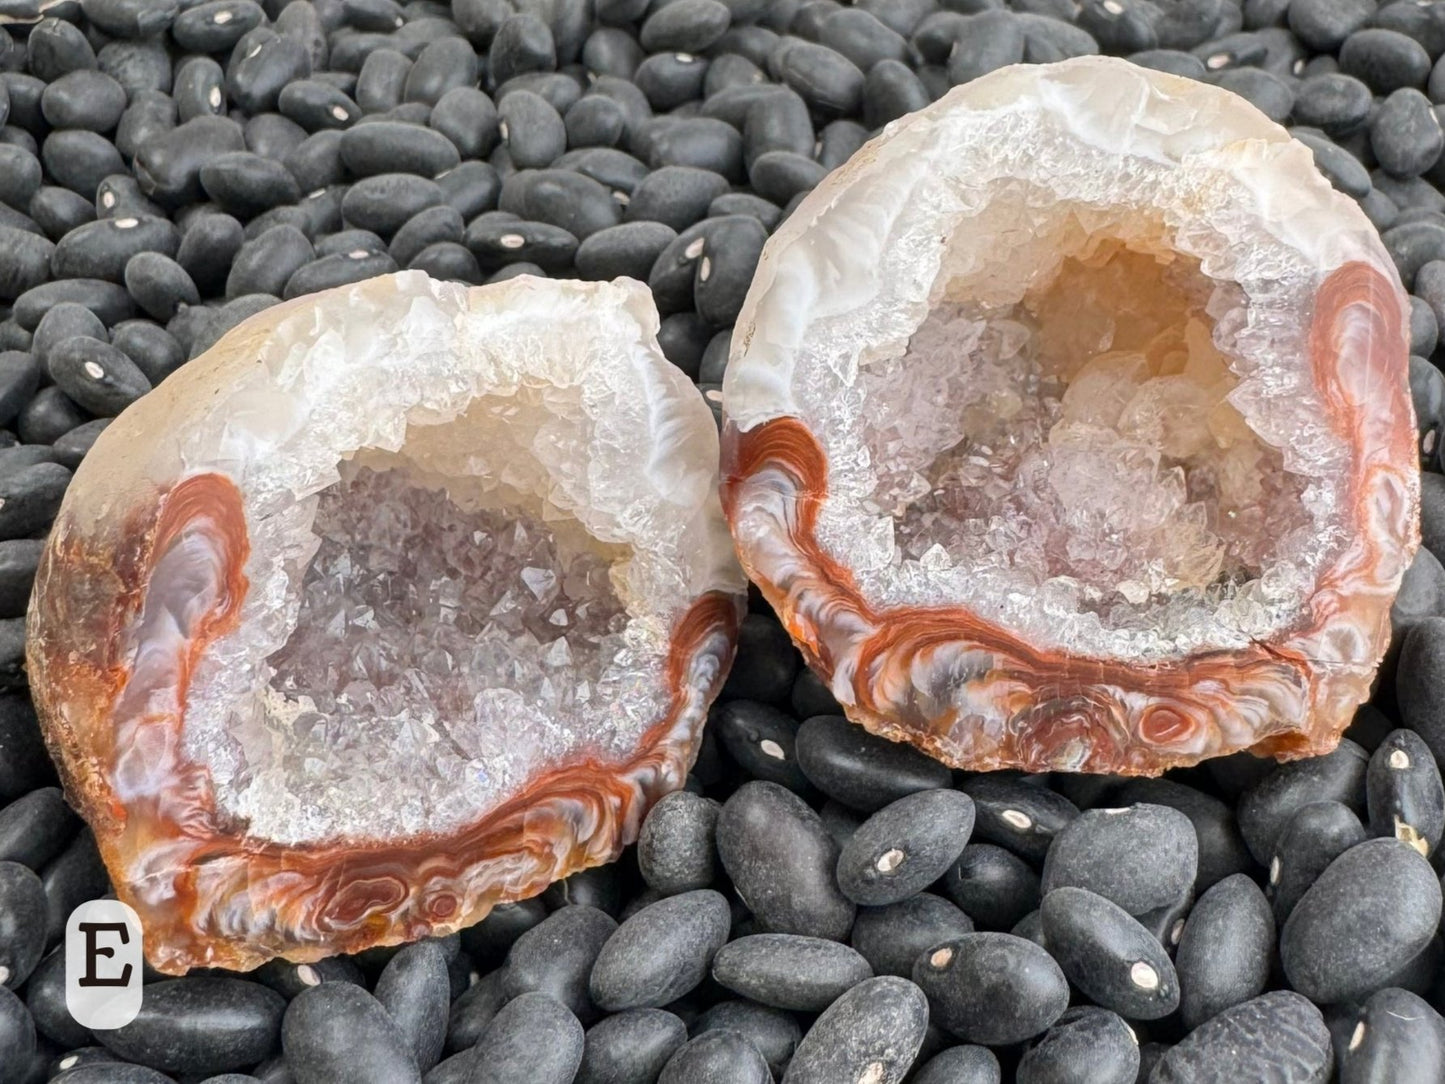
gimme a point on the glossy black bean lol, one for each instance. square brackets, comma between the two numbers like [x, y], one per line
[760, 739]
[385, 202]
[992, 988]
[782, 861]
[1366, 916]
[1405, 798]
[991, 40]
[17, 1036]
[1017, 815]
[337, 1032]
[103, 249]
[677, 196]
[994, 887]
[316, 105]
[852, 766]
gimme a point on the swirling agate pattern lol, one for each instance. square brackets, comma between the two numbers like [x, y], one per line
[979, 696]
[137, 585]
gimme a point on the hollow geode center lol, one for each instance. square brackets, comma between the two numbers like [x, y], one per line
[402, 600]
[1068, 428]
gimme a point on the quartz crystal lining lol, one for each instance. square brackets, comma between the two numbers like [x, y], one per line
[1068, 428]
[403, 600]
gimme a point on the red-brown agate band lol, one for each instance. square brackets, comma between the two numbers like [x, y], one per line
[977, 696]
[210, 895]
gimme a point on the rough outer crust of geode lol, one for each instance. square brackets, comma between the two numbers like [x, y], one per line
[1067, 428]
[401, 601]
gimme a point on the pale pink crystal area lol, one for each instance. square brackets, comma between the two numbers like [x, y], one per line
[1084, 432]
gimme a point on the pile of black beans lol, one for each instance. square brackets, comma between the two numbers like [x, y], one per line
[818, 906]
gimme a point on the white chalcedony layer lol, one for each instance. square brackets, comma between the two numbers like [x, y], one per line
[965, 199]
[539, 403]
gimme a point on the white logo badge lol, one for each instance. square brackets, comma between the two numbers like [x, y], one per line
[103, 964]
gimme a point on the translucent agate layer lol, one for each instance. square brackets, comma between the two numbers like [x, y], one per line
[401, 601]
[1068, 428]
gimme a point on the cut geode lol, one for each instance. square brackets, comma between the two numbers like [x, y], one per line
[1068, 428]
[403, 600]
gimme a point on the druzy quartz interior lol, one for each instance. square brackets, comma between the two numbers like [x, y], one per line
[403, 600]
[1068, 428]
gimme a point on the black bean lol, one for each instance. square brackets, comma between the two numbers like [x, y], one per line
[264, 265]
[25, 765]
[560, 90]
[336, 1032]
[80, 160]
[627, 250]
[1267, 92]
[1267, 806]
[1366, 916]
[669, 80]
[19, 559]
[20, 175]
[992, 988]
[383, 203]
[120, 196]
[689, 26]
[75, 444]
[159, 284]
[22, 923]
[1017, 815]
[787, 971]
[722, 1056]
[1108, 955]
[905, 846]
[169, 168]
[733, 103]
[55, 47]
[467, 117]
[200, 89]
[827, 80]
[200, 1025]
[990, 40]
[594, 121]
[569, 200]
[1385, 60]
[630, 1046]
[48, 417]
[675, 847]
[1121, 27]
[229, 315]
[208, 248]
[1341, 168]
[30, 497]
[531, 130]
[381, 80]
[316, 105]
[556, 957]
[872, 1032]
[1405, 796]
[448, 260]
[96, 375]
[675, 195]
[761, 739]
[443, 65]
[45, 998]
[523, 43]
[683, 337]
[131, 18]
[1335, 103]
[261, 64]
[273, 136]
[17, 1037]
[77, 875]
[1277, 1034]
[414, 990]
[725, 267]
[781, 860]
[216, 26]
[474, 1010]
[20, 373]
[246, 184]
[149, 115]
[993, 886]
[532, 1038]
[710, 371]
[35, 828]
[24, 262]
[59, 210]
[1405, 134]
[1323, 25]
[1424, 327]
[1394, 1036]
[890, 91]
[852, 766]
[961, 1065]
[1221, 848]
[892, 938]
[393, 147]
[1087, 1036]
[1140, 857]
[425, 228]
[662, 952]
[1225, 950]
[780, 176]
[84, 99]
[610, 51]
[497, 238]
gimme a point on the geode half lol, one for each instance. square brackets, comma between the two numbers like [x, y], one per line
[1068, 427]
[402, 600]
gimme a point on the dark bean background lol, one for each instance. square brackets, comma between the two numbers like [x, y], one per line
[818, 906]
